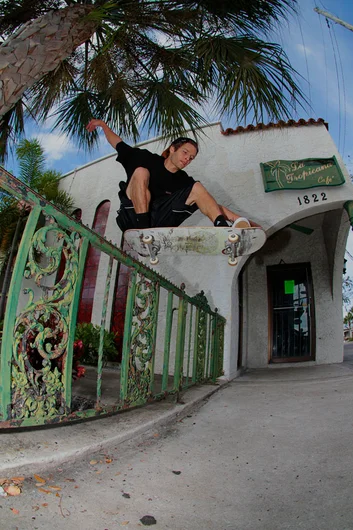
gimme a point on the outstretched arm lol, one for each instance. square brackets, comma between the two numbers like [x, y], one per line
[208, 205]
[110, 135]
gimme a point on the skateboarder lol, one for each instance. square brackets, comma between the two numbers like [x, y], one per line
[158, 191]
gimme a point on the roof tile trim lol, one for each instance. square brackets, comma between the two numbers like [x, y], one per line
[279, 125]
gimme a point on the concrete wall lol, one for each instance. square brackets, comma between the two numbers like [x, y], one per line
[229, 166]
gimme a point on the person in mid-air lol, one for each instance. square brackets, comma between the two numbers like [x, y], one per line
[158, 191]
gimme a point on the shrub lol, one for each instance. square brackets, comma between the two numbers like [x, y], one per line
[89, 335]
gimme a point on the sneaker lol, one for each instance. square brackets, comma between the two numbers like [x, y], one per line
[241, 222]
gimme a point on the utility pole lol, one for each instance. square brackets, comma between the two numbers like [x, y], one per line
[335, 19]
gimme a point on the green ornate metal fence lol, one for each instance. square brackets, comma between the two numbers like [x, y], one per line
[171, 341]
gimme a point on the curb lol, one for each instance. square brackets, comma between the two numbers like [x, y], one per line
[27, 452]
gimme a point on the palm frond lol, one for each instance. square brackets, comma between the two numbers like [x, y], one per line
[11, 127]
[162, 109]
[185, 50]
[242, 17]
[14, 13]
[75, 112]
[9, 215]
[31, 160]
[250, 77]
[52, 88]
[47, 184]
[64, 201]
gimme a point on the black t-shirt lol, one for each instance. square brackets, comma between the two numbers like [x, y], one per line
[162, 182]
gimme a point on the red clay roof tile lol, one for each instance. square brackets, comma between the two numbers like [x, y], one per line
[278, 125]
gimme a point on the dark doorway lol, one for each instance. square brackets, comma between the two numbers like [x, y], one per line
[291, 310]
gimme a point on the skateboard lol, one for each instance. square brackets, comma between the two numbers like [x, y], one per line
[195, 240]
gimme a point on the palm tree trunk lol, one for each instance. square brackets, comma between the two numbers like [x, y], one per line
[38, 47]
[7, 277]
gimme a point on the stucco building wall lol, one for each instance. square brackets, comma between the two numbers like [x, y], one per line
[229, 167]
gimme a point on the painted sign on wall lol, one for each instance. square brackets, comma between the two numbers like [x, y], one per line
[301, 174]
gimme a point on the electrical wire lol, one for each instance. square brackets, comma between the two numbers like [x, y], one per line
[344, 127]
[326, 62]
[306, 59]
[338, 84]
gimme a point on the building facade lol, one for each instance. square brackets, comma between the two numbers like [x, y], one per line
[283, 304]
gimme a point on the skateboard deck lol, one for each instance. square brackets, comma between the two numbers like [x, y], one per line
[195, 240]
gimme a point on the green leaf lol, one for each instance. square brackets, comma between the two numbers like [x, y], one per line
[157, 65]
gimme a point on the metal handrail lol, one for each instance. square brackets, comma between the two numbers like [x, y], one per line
[41, 315]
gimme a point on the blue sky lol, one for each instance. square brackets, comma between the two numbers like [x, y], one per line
[322, 55]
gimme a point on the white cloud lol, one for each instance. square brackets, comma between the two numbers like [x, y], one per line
[50, 120]
[55, 146]
[305, 50]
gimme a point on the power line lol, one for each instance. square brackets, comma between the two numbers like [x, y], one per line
[339, 71]
[326, 62]
[306, 58]
[338, 84]
[344, 130]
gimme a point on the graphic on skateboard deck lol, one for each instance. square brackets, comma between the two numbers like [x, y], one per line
[195, 240]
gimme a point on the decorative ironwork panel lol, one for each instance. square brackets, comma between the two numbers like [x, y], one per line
[41, 329]
[201, 345]
[220, 347]
[180, 345]
[142, 345]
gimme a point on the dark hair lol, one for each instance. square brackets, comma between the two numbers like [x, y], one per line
[178, 142]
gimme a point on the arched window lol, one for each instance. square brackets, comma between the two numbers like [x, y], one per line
[92, 264]
[119, 303]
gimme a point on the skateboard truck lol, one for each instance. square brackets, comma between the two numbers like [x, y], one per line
[231, 249]
[153, 250]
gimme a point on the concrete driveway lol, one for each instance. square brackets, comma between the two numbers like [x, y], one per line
[270, 451]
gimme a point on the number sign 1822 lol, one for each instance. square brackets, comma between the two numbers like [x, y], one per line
[315, 197]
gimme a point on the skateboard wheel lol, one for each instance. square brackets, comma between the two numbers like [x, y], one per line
[233, 238]
[154, 261]
[147, 239]
[232, 261]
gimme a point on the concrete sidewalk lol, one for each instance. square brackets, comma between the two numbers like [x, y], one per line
[27, 452]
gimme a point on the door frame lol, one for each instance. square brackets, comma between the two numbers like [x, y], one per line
[292, 266]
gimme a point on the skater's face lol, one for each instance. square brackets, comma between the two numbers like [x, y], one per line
[181, 157]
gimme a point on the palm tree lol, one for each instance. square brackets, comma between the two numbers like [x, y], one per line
[13, 215]
[348, 319]
[141, 64]
[347, 290]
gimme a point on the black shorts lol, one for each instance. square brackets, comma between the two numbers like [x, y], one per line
[169, 210]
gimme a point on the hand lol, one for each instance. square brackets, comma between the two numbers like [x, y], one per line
[93, 124]
[112, 138]
[252, 223]
[232, 216]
